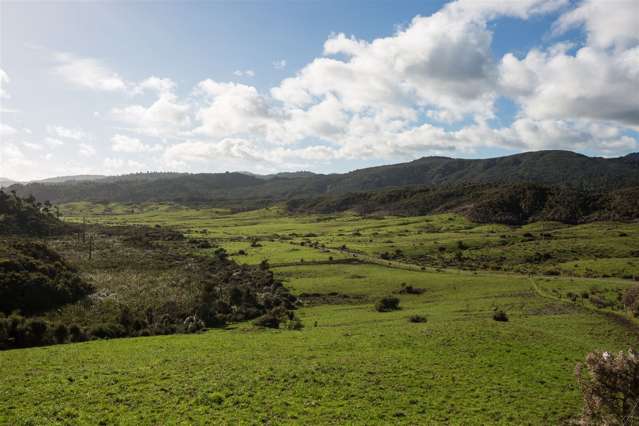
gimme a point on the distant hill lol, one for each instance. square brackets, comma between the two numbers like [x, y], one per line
[242, 190]
[6, 182]
[77, 178]
[512, 204]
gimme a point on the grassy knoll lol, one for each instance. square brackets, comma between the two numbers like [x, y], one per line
[351, 364]
[599, 249]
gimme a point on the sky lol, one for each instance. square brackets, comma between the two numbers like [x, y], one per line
[111, 87]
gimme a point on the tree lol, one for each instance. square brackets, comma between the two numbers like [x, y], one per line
[610, 387]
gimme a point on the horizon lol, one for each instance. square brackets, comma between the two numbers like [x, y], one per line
[114, 88]
[250, 173]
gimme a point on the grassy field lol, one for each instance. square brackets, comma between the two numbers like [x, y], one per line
[351, 364]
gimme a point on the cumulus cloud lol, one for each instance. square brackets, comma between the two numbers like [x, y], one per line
[123, 143]
[607, 23]
[6, 130]
[593, 83]
[13, 160]
[166, 117]
[4, 81]
[53, 142]
[86, 150]
[232, 110]
[67, 133]
[89, 73]
[429, 88]
[121, 166]
[156, 84]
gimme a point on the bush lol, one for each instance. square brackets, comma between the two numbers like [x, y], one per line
[35, 279]
[610, 388]
[75, 333]
[294, 323]
[600, 302]
[500, 315]
[417, 318]
[61, 332]
[107, 331]
[409, 289]
[267, 321]
[631, 300]
[387, 304]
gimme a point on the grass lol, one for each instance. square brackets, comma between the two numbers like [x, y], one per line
[351, 364]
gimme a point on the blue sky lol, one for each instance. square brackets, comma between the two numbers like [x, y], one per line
[117, 87]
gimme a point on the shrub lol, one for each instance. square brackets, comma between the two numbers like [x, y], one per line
[500, 315]
[387, 304]
[409, 289]
[631, 300]
[61, 332]
[294, 323]
[107, 331]
[600, 302]
[75, 333]
[267, 320]
[36, 329]
[35, 279]
[417, 318]
[610, 388]
[193, 324]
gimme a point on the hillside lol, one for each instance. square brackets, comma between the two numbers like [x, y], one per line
[515, 204]
[242, 190]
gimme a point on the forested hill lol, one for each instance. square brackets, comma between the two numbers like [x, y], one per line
[557, 168]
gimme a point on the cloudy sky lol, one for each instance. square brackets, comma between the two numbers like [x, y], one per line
[330, 86]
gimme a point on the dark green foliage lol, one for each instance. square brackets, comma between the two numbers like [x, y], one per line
[268, 320]
[500, 315]
[387, 304]
[205, 291]
[409, 289]
[34, 279]
[107, 331]
[631, 300]
[506, 203]
[17, 331]
[417, 318]
[27, 216]
[61, 332]
[241, 191]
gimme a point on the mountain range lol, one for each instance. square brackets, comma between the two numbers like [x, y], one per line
[556, 168]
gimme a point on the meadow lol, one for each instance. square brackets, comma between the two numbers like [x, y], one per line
[559, 284]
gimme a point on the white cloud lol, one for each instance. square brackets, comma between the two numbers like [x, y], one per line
[86, 150]
[13, 160]
[120, 166]
[6, 130]
[159, 85]
[244, 73]
[395, 97]
[280, 64]
[88, 73]
[53, 142]
[232, 110]
[591, 84]
[123, 143]
[4, 81]
[607, 22]
[33, 146]
[166, 117]
[67, 133]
